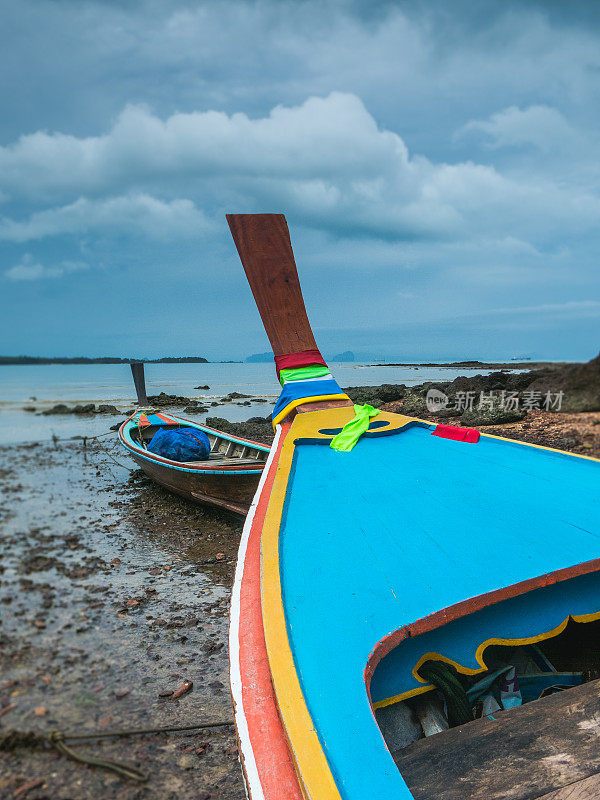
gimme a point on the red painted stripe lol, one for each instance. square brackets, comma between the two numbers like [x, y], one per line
[304, 358]
[269, 743]
[167, 419]
[459, 434]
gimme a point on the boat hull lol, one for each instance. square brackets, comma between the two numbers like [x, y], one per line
[227, 489]
[228, 479]
[364, 566]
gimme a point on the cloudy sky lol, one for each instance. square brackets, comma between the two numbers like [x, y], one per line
[438, 164]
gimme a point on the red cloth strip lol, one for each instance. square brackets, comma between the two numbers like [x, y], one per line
[459, 434]
[304, 358]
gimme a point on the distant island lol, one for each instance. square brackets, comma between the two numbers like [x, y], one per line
[259, 358]
[347, 355]
[9, 360]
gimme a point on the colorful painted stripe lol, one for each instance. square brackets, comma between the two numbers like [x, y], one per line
[304, 358]
[305, 391]
[144, 420]
[264, 752]
[303, 373]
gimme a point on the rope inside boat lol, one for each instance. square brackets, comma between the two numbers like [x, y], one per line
[445, 678]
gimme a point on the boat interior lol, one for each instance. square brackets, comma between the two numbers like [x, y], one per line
[533, 737]
[223, 451]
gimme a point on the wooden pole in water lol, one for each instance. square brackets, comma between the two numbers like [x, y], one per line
[137, 370]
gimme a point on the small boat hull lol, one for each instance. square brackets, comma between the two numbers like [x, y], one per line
[228, 480]
[228, 490]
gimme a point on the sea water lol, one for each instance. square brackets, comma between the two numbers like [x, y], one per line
[42, 386]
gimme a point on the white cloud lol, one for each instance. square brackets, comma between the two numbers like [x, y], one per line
[325, 162]
[322, 138]
[138, 213]
[28, 269]
[539, 126]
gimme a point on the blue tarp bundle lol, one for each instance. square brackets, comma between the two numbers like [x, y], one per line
[180, 444]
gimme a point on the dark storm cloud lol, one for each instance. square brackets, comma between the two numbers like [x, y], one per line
[447, 149]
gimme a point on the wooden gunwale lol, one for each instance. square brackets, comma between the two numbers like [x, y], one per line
[264, 753]
[133, 448]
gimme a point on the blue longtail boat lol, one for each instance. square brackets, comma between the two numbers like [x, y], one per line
[368, 569]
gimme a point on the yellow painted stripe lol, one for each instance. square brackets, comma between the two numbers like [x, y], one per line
[389, 701]
[301, 400]
[316, 779]
[307, 752]
[541, 447]
[429, 422]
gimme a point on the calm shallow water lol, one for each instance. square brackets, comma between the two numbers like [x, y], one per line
[42, 386]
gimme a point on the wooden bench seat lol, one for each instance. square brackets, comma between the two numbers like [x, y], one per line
[226, 461]
[548, 749]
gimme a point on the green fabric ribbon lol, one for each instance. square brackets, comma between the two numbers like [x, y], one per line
[302, 373]
[353, 430]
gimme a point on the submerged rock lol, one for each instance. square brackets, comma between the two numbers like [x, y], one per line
[59, 408]
[376, 395]
[88, 408]
[164, 399]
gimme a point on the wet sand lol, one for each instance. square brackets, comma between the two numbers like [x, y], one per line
[112, 592]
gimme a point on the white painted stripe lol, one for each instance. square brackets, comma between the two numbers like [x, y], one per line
[328, 377]
[235, 677]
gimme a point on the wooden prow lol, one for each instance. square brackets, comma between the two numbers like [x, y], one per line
[263, 242]
[137, 370]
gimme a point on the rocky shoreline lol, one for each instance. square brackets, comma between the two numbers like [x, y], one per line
[190, 405]
[496, 398]
[114, 594]
[471, 399]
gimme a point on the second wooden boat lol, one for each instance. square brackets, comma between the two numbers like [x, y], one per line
[363, 575]
[227, 479]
